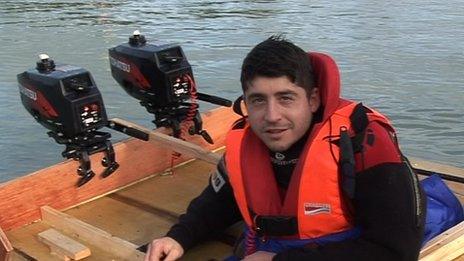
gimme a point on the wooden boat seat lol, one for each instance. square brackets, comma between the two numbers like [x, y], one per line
[63, 246]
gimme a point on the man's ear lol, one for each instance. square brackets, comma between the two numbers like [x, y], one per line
[314, 99]
[244, 106]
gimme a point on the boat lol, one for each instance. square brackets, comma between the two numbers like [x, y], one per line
[45, 216]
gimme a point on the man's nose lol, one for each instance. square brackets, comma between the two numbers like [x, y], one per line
[273, 113]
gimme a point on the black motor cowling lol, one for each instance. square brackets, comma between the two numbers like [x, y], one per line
[158, 74]
[161, 78]
[63, 98]
[66, 100]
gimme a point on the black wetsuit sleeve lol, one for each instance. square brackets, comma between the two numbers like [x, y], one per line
[389, 208]
[209, 213]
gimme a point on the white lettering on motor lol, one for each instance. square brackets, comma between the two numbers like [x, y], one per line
[27, 92]
[120, 65]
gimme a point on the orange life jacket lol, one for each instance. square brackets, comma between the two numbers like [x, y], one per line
[314, 195]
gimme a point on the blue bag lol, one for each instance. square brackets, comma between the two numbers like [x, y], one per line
[443, 208]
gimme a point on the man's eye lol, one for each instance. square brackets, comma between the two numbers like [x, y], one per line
[257, 100]
[286, 98]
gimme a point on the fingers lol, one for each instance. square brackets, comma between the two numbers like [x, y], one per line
[166, 249]
[172, 255]
[155, 251]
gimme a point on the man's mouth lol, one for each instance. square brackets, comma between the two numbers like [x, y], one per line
[275, 133]
[275, 130]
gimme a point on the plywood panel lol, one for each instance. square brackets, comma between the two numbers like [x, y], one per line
[148, 209]
[170, 193]
[122, 220]
[97, 237]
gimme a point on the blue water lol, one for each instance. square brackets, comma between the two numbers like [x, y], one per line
[405, 58]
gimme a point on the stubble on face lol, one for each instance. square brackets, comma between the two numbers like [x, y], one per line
[279, 111]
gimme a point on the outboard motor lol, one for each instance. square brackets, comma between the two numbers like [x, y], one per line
[161, 77]
[66, 100]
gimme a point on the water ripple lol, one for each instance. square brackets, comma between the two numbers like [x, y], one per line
[404, 58]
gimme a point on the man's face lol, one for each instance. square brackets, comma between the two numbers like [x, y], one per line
[279, 111]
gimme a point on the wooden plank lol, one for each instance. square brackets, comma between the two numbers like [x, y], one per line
[155, 206]
[156, 195]
[27, 244]
[447, 251]
[449, 245]
[436, 167]
[123, 220]
[97, 237]
[169, 141]
[5, 247]
[148, 209]
[444, 237]
[458, 189]
[55, 186]
[15, 256]
[63, 245]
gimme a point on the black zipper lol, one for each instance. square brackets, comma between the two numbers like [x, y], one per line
[414, 181]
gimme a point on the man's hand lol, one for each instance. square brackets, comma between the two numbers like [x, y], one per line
[260, 256]
[165, 248]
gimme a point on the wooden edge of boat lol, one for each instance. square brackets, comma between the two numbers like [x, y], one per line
[55, 186]
[46, 193]
[5, 247]
[448, 245]
[429, 166]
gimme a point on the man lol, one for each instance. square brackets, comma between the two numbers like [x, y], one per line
[314, 176]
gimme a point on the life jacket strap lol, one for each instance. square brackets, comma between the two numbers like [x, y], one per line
[276, 225]
[359, 122]
[350, 146]
[347, 163]
[358, 118]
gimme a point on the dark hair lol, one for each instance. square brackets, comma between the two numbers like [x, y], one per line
[276, 57]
